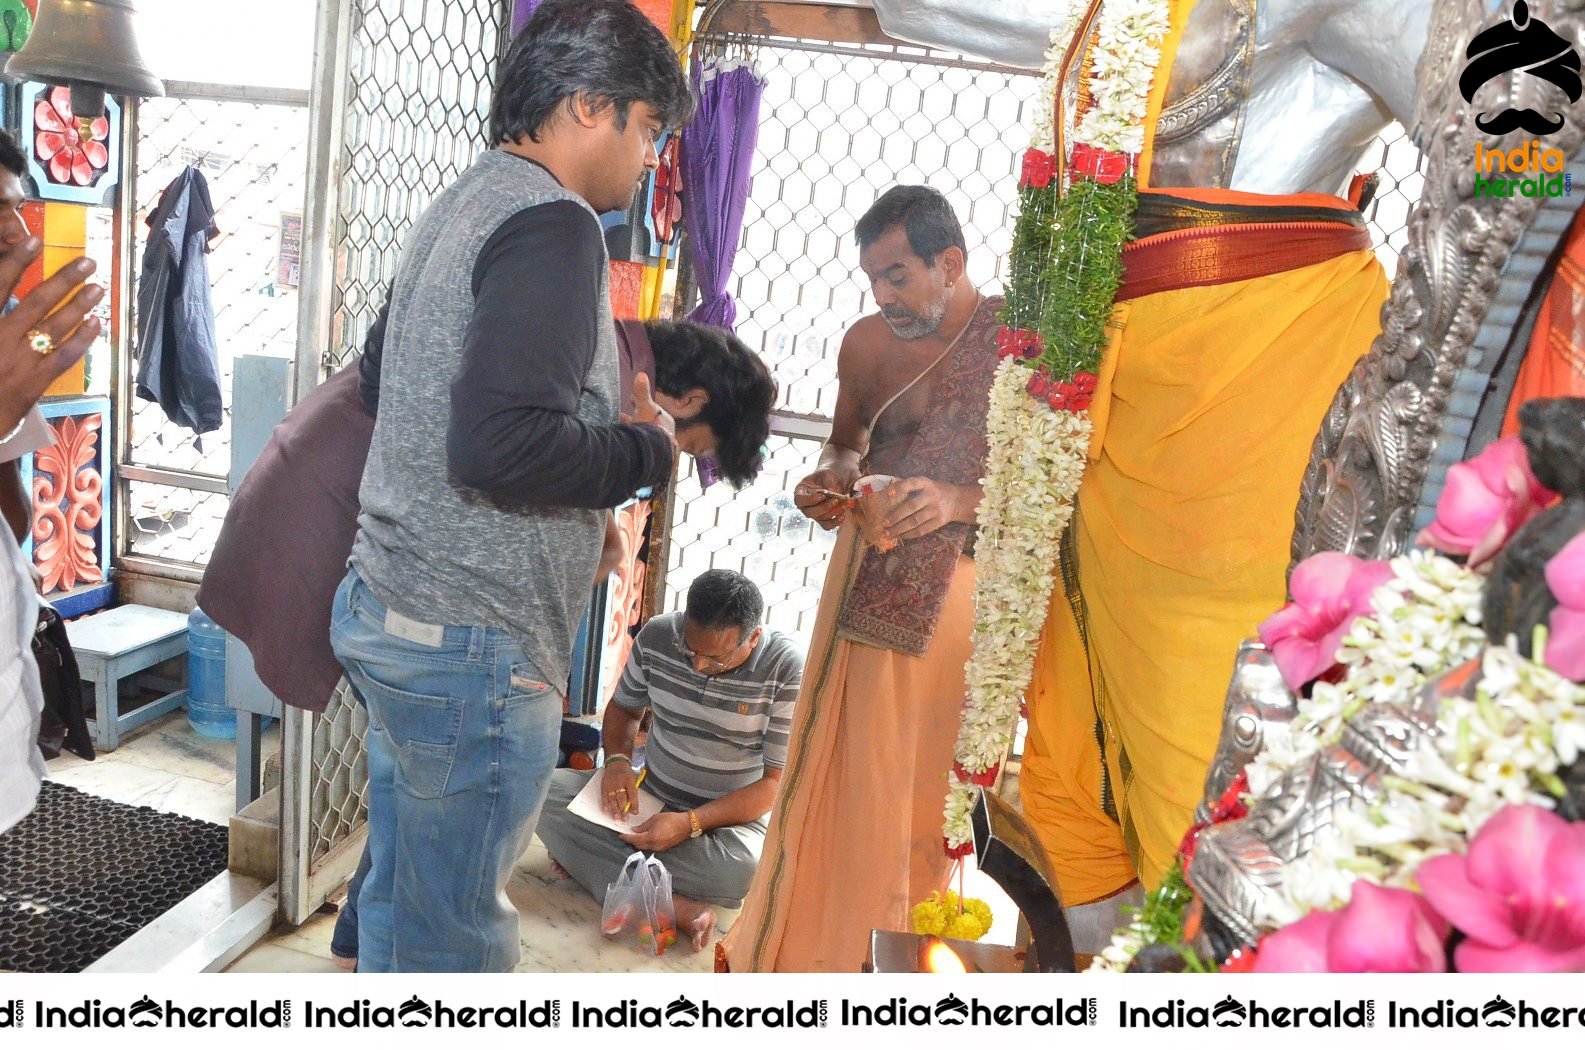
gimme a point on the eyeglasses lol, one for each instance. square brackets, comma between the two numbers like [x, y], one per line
[715, 663]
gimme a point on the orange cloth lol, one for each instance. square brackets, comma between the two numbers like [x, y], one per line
[1209, 402]
[1554, 362]
[855, 838]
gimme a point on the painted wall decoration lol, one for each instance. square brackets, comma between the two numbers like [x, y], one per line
[625, 610]
[16, 22]
[663, 202]
[70, 543]
[627, 290]
[647, 230]
[69, 158]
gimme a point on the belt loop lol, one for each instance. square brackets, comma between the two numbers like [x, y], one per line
[476, 643]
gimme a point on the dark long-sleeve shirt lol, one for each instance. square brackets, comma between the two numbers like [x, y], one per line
[514, 431]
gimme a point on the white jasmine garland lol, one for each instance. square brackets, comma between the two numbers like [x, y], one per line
[1503, 747]
[1034, 467]
[1123, 67]
[1425, 621]
[1038, 454]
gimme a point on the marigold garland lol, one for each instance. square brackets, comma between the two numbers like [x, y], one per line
[1076, 213]
[945, 915]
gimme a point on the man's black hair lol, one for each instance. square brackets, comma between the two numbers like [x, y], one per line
[924, 213]
[741, 390]
[11, 158]
[722, 598]
[605, 50]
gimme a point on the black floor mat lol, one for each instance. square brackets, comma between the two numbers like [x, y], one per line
[81, 874]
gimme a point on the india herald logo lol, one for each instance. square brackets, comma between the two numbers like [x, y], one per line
[1527, 44]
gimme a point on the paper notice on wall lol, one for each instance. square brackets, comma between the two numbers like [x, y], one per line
[289, 270]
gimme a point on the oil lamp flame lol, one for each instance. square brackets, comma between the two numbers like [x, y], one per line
[937, 957]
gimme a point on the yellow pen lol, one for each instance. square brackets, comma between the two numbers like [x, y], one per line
[636, 785]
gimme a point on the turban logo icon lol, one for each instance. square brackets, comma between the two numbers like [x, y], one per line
[1499, 1013]
[145, 1013]
[414, 1012]
[1527, 44]
[952, 1010]
[1229, 1013]
[682, 1013]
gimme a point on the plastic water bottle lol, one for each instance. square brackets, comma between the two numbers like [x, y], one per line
[207, 711]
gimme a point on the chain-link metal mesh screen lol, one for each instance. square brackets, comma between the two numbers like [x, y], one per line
[838, 126]
[418, 103]
[254, 157]
[420, 75]
[1397, 161]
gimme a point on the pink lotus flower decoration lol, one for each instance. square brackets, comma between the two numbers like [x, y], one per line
[1519, 894]
[1329, 591]
[1380, 930]
[72, 147]
[1486, 500]
[1565, 578]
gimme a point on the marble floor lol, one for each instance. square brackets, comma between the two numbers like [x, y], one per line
[559, 928]
[168, 766]
[559, 931]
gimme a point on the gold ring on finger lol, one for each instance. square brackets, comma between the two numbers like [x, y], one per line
[40, 343]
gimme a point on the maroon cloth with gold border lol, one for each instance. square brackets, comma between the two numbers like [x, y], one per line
[896, 598]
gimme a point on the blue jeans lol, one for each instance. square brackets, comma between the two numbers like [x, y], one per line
[344, 938]
[461, 744]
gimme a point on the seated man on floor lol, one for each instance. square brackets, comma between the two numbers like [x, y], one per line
[721, 689]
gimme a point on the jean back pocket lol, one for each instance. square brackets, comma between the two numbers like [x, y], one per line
[424, 731]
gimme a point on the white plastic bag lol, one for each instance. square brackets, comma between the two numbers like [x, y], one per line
[624, 898]
[639, 905]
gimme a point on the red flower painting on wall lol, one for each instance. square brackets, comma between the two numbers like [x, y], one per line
[67, 504]
[71, 148]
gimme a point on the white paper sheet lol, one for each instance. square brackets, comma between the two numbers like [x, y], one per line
[587, 806]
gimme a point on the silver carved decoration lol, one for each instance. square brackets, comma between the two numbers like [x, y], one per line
[1371, 462]
[1248, 74]
[1384, 444]
[1198, 136]
[1237, 869]
[1257, 698]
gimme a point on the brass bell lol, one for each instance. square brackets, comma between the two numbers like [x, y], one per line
[90, 47]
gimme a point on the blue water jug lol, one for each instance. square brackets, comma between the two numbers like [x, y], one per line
[207, 712]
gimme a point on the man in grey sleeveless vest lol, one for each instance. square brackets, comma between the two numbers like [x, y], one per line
[498, 446]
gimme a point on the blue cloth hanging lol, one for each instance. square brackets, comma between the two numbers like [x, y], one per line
[179, 361]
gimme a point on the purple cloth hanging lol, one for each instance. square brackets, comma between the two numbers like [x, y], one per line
[717, 161]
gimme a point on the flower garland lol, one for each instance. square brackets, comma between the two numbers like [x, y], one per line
[947, 915]
[1076, 213]
[1426, 621]
[1504, 747]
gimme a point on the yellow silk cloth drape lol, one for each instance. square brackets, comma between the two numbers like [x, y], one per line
[1209, 402]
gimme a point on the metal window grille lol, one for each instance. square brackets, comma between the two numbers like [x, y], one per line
[413, 104]
[839, 125]
[251, 146]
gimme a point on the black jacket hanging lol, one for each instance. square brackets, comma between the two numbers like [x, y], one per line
[179, 364]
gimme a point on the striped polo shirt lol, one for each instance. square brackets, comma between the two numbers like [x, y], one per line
[711, 734]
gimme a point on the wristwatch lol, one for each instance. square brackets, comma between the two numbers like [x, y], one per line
[695, 828]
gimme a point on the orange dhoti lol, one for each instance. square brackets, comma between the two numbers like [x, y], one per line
[855, 838]
[1204, 422]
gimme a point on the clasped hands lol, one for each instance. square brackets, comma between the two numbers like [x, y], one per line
[921, 505]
